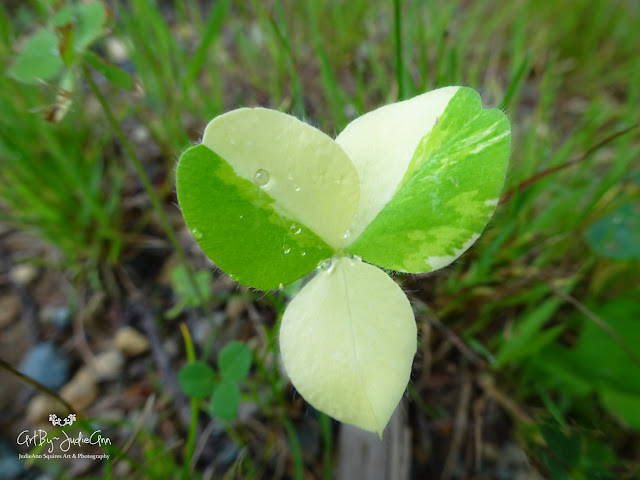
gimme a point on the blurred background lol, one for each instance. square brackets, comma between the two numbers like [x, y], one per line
[528, 363]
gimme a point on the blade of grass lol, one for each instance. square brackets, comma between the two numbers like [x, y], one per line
[548, 171]
[219, 13]
[516, 81]
[296, 451]
[332, 92]
[280, 29]
[155, 201]
[397, 30]
[325, 425]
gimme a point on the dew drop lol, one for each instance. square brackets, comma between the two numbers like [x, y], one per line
[261, 177]
[293, 227]
[281, 287]
[297, 189]
[286, 248]
[197, 234]
[325, 265]
[304, 253]
[297, 232]
[241, 216]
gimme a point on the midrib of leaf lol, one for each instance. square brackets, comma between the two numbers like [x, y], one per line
[355, 347]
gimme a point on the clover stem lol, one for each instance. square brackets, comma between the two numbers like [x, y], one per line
[398, 40]
[155, 200]
[193, 404]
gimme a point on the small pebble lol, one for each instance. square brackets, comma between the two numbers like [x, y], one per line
[235, 307]
[24, 274]
[39, 408]
[81, 391]
[9, 309]
[46, 364]
[107, 365]
[131, 342]
[116, 50]
[10, 466]
[59, 317]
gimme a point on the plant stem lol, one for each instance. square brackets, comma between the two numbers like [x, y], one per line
[398, 37]
[155, 200]
[8, 367]
[193, 403]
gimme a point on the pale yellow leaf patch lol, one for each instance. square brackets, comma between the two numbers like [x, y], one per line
[308, 175]
[381, 144]
[348, 340]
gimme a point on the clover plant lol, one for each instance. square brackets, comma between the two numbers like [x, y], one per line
[408, 187]
[199, 380]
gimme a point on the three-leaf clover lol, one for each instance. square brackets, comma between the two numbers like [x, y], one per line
[199, 380]
[408, 187]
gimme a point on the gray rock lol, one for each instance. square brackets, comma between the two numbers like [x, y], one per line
[10, 466]
[59, 317]
[46, 364]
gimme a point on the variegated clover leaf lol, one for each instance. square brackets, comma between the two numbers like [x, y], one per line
[408, 187]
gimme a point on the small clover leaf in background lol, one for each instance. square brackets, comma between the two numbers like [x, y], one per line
[56, 51]
[39, 58]
[197, 379]
[234, 361]
[225, 400]
[409, 187]
[617, 234]
[183, 291]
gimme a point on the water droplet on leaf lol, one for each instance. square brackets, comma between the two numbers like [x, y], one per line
[286, 248]
[261, 177]
[197, 234]
[325, 265]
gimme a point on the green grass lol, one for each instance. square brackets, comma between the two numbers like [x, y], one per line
[567, 74]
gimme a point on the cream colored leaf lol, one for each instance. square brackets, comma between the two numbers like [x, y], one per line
[381, 144]
[347, 342]
[309, 176]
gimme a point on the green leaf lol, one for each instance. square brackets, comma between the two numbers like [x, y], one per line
[196, 379]
[181, 286]
[527, 337]
[266, 196]
[348, 341]
[431, 171]
[625, 406]
[225, 400]
[234, 361]
[617, 235]
[598, 363]
[88, 20]
[39, 58]
[114, 74]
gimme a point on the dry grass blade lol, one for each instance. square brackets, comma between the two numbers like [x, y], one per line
[544, 173]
